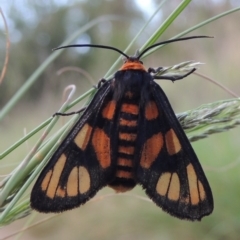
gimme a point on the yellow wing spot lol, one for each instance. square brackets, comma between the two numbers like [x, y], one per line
[84, 180]
[57, 171]
[151, 149]
[174, 188]
[130, 108]
[109, 110]
[163, 183]
[172, 142]
[72, 183]
[46, 180]
[151, 111]
[129, 123]
[192, 181]
[60, 192]
[83, 136]
[128, 136]
[127, 150]
[101, 144]
[201, 191]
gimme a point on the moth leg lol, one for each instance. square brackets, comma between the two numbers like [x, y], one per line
[68, 114]
[152, 70]
[100, 83]
[174, 78]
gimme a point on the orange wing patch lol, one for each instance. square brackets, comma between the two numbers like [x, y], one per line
[151, 149]
[196, 190]
[78, 182]
[109, 110]
[163, 183]
[54, 180]
[201, 191]
[174, 188]
[151, 111]
[72, 183]
[101, 144]
[83, 136]
[172, 142]
[168, 185]
[84, 180]
[46, 180]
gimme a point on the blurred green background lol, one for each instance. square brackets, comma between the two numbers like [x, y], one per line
[35, 27]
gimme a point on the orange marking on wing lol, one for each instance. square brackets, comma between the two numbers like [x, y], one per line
[57, 171]
[60, 192]
[72, 183]
[46, 180]
[84, 180]
[127, 150]
[130, 108]
[128, 136]
[124, 162]
[174, 188]
[151, 111]
[172, 142]
[163, 183]
[101, 144]
[83, 136]
[132, 65]
[109, 110]
[129, 123]
[192, 181]
[151, 149]
[201, 191]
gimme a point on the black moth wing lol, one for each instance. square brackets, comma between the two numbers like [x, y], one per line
[83, 163]
[168, 167]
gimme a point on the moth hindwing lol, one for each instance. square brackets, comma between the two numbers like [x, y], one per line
[128, 135]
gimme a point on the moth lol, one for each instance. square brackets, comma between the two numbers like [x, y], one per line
[127, 135]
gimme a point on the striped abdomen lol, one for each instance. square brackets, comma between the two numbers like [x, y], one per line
[128, 117]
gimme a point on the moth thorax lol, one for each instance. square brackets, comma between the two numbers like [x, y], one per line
[133, 65]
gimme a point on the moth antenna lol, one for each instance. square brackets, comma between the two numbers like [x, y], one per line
[94, 46]
[169, 41]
